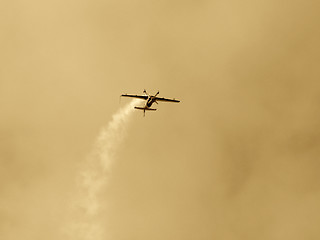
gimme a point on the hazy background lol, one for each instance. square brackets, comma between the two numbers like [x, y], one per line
[238, 158]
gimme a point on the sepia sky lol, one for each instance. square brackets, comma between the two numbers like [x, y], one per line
[238, 158]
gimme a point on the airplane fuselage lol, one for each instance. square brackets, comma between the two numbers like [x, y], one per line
[150, 101]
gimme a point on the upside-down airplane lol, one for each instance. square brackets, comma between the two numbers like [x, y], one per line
[150, 100]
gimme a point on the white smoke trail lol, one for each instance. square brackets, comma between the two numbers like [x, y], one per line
[86, 221]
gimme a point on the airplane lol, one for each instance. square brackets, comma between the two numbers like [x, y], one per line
[150, 99]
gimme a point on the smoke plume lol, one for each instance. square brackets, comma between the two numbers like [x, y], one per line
[86, 210]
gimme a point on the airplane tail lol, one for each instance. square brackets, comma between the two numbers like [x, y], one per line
[145, 109]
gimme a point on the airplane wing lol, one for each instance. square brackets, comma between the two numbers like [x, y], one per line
[166, 100]
[145, 97]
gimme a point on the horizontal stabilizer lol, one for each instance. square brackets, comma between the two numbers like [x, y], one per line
[146, 109]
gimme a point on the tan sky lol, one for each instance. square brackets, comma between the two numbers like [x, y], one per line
[238, 158]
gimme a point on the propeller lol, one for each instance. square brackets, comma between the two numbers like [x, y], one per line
[155, 96]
